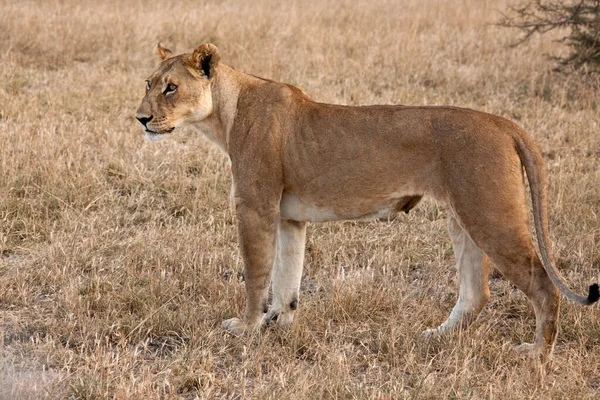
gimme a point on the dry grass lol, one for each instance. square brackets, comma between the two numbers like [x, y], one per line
[118, 258]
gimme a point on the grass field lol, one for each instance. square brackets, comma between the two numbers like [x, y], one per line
[118, 258]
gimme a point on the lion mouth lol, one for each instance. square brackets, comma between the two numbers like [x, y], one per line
[151, 132]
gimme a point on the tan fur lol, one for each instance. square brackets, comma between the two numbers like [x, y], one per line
[294, 159]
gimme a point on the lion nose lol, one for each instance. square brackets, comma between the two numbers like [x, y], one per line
[143, 120]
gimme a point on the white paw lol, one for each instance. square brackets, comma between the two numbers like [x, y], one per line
[528, 349]
[275, 316]
[433, 333]
[235, 326]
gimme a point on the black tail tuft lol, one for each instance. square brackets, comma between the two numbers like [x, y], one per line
[594, 295]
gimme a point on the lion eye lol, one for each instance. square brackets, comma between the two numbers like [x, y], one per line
[171, 88]
[147, 85]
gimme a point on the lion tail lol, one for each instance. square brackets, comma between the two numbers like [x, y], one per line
[534, 167]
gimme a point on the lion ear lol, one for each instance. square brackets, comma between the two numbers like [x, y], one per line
[163, 53]
[205, 59]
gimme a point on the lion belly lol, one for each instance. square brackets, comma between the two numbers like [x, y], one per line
[294, 207]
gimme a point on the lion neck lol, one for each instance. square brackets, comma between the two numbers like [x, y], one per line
[225, 93]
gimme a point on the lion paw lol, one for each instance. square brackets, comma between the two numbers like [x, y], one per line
[276, 316]
[235, 326]
[270, 318]
[528, 349]
[429, 334]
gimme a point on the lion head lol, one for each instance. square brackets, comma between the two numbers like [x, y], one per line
[179, 91]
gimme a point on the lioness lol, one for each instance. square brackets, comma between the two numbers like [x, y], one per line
[295, 160]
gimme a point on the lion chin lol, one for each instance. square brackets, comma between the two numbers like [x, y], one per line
[154, 137]
[294, 160]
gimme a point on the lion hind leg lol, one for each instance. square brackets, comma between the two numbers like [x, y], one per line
[523, 268]
[509, 246]
[287, 272]
[473, 266]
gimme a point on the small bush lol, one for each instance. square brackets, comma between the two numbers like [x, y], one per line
[581, 18]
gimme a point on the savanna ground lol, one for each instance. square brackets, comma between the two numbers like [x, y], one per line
[118, 258]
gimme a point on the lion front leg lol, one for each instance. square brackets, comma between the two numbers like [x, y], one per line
[257, 228]
[287, 273]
